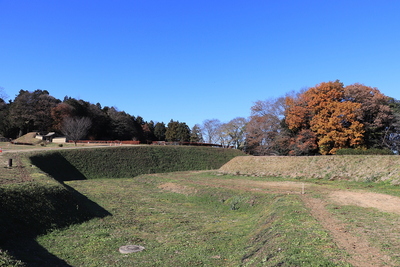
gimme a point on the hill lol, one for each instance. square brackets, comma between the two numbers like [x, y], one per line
[348, 167]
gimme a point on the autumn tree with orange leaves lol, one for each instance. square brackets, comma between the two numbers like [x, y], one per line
[324, 111]
[324, 119]
[375, 112]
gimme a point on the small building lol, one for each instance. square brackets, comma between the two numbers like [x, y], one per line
[59, 140]
[51, 137]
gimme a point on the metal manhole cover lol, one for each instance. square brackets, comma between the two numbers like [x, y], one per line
[130, 249]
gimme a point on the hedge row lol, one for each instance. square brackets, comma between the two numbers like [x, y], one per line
[125, 162]
[372, 151]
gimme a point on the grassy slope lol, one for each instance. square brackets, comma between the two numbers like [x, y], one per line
[358, 168]
[32, 208]
[37, 204]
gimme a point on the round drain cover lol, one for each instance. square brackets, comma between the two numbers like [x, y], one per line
[130, 249]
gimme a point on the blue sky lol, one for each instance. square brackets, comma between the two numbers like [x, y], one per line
[195, 60]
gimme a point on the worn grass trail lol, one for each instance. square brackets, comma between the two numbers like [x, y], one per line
[361, 222]
[186, 219]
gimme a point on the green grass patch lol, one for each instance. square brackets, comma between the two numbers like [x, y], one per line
[199, 226]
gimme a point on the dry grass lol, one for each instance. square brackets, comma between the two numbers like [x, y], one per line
[357, 168]
[28, 138]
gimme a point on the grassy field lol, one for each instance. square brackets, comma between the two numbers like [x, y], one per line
[190, 218]
[182, 223]
[204, 219]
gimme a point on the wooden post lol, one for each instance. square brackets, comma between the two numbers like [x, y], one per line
[9, 163]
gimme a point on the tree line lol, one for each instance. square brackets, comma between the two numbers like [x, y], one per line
[317, 120]
[40, 112]
[324, 119]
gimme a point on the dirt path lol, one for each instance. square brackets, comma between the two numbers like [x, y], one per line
[361, 252]
[382, 202]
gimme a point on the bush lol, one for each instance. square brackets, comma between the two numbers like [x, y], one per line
[126, 162]
[372, 151]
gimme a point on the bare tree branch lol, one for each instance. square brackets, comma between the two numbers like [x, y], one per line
[76, 128]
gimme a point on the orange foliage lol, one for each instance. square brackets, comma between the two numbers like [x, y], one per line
[324, 111]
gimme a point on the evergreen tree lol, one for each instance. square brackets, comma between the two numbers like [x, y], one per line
[171, 134]
[183, 134]
[196, 135]
[159, 131]
[30, 111]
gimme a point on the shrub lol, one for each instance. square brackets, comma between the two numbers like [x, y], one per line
[125, 162]
[372, 151]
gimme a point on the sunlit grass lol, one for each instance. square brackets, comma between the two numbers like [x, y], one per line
[211, 227]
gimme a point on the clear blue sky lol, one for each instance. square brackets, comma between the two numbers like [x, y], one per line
[195, 60]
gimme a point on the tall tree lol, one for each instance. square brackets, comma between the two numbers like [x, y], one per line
[233, 133]
[375, 113]
[210, 130]
[303, 144]
[4, 122]
[101, 123]
[122, 124]
[177, 131]
[31, 111]
[59, 113]
[148, 132]
[171, 134]
[159, 131]
[183, 132]
[76, 128]
[391, 138]
[264, 127]
[195, 134]
[324, 110]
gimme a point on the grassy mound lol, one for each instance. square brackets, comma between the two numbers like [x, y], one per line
[355, 167]
[28, 138]
[118, 162]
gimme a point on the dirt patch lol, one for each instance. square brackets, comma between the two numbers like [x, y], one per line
[15, 174]
[381, 202]
[249, 185]
[361, 252]
[177, 188]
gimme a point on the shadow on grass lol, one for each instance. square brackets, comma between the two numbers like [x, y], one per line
[29, 209]
[57, 167]
[32, 254]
